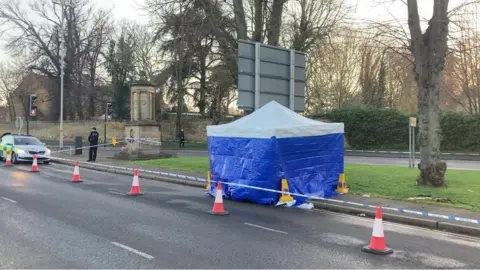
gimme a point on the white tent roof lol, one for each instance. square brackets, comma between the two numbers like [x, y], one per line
[274, 119]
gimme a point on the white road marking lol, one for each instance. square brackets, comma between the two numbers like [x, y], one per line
[264, 228]
[10, 200]
[145, 255]
[116, 192]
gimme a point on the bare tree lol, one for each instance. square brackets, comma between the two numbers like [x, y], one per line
[309, 22]
[332, 75]
[429, 50]
[402, 92]
[461, 81]
[95, 46]
[37, 32]
[10, 78]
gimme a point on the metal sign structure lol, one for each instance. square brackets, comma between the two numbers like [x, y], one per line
[412, 124]
[267, 73]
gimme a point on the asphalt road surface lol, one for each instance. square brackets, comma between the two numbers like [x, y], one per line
[48, 222]
[452, 164]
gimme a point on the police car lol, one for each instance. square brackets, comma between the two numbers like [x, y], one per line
[23, 148]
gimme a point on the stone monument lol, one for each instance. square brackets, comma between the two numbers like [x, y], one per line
[142, 132]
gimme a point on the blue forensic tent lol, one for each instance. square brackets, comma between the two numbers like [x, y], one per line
[273, 143]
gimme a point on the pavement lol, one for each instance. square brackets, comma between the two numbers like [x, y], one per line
[48, 222]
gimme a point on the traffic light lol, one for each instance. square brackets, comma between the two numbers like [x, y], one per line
[109, 108]
[33, 105]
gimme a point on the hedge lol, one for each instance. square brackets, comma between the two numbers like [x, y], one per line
[387, 129]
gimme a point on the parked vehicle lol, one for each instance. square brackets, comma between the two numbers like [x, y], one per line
[23, 148]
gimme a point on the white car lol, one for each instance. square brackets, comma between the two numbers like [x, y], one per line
[23, 148]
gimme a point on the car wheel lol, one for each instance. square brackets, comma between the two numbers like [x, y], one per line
[46, 162]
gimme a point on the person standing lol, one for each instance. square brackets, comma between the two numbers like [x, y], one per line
[181, 137]
[93, 140]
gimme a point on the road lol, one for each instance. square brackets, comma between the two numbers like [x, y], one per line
[452, 164]
[48, 222]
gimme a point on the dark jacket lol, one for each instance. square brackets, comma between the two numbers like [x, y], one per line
[93, 137]
[181, 135]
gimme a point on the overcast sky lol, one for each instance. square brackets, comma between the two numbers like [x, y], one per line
[374, 10]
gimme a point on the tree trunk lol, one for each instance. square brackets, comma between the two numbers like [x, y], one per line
[11, 107]
[91, 93]
[432, 168]
[180, 90]
[257, 34]
[240, 21]
[273, 31]
[202, 103]
[429, 50]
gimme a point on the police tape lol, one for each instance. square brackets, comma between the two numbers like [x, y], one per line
[194, 178]
[75, 148]
[140, 140]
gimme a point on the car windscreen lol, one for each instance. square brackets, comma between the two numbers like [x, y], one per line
[26, 141]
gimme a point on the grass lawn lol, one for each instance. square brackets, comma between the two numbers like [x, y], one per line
[188, 145]
[393, 182]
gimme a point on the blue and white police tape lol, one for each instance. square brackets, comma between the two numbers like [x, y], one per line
[140, 140]
[84, 147]
[194, 178]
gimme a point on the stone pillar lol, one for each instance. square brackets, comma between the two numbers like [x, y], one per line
[143, 132]
[143, 103]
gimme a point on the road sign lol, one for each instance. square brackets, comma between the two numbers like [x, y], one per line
[413, 121]
[19, 123]
[267, 73]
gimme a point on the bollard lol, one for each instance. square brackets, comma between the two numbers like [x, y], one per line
[78, 145]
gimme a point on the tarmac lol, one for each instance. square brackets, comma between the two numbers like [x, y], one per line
[360, 205]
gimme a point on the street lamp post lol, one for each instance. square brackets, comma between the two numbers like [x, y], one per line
[62, 66]
[62, 74]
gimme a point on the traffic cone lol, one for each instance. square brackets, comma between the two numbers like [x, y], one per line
[135, 189]
[76, 173]
[286, 199]
[342, 185]
[8, 161]
[34, 164]
[377, 242]
[218, 209]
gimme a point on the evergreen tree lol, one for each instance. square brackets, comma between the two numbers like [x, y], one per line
[121, 68]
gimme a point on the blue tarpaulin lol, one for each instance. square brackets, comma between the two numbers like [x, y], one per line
[274, 143]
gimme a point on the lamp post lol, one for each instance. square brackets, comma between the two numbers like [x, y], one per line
[62, 64]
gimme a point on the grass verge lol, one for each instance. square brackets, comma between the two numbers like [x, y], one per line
[188, 145]
[391, 182]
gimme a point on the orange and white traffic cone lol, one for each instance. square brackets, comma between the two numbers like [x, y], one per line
[135, 189]
[76, 173]
[8, 160]
[34, 164]
[218, 204]
[377, 242]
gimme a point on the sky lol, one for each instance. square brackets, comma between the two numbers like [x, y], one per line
[383, 9]
[364, 10]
